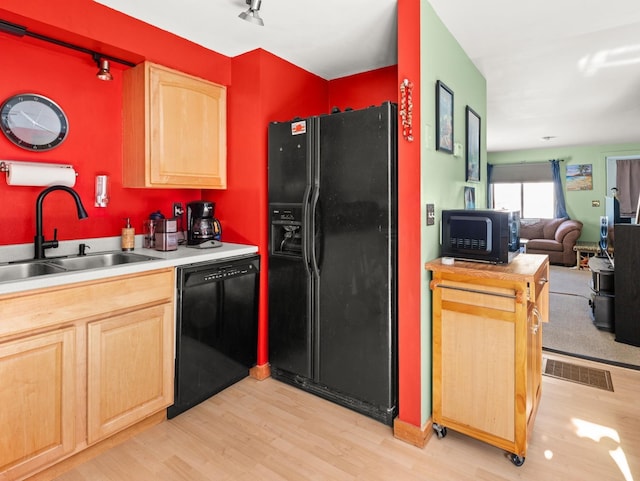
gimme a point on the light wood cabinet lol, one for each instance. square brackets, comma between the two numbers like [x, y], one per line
[487, 348]
[79, 363]
[37, 395]
[130, 369]
[174, 130]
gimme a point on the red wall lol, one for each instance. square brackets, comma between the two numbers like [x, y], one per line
[94, 26]
[409, 227]
[262, 88]
[364, 89]
[94, 144]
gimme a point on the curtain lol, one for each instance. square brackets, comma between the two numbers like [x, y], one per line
[628, 185]
[521, 172]
[560, 210]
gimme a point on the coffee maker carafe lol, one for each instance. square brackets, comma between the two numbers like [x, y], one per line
[201, 225]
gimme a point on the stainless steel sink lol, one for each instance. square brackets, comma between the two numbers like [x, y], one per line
[25, 270]
[95, 261]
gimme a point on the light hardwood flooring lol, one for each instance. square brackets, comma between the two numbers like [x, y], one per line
[269, 431]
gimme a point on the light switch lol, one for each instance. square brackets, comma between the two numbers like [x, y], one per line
[458, 150]
[431, 214]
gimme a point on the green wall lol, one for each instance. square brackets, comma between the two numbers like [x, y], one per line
[443, 175]
[579, 203]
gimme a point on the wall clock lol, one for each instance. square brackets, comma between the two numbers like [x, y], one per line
[33, 122]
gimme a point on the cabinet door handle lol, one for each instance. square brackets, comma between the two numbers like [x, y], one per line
[537, 316]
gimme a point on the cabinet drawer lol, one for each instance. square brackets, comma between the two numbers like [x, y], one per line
[48, 307]
[480, 295]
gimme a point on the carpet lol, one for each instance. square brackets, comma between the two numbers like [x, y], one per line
[570, 329]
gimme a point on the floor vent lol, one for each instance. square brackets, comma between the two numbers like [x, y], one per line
[588, 376]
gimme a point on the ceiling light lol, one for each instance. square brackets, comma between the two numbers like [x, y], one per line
[104, 72]
[251, 15]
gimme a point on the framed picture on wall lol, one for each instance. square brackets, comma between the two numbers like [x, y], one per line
[444, 118]
[579, 177]
[473, 145]
[469, 197]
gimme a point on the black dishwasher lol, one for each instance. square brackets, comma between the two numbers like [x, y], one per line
[216, 327]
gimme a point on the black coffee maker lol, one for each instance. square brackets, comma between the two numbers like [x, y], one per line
[201, 225]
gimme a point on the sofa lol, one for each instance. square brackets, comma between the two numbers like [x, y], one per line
[553, 237]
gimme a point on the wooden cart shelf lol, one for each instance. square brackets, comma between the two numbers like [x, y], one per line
[487, 348]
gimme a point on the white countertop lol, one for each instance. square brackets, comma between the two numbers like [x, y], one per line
[182, 256]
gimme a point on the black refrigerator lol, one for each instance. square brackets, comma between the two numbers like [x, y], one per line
[332, 257]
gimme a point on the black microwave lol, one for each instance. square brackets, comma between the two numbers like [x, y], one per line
[481, 235]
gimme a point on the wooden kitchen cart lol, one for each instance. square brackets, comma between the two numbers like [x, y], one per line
[487, 348]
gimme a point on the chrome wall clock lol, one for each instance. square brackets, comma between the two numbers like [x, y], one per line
[33, 122]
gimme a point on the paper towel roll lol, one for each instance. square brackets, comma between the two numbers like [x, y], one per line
[40, 175]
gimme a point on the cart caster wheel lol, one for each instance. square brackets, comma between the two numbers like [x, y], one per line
[516, 460]
[440, 431]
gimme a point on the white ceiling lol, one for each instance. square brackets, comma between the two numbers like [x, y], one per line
[566, 69]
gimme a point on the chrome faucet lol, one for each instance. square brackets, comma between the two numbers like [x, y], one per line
[40, 244]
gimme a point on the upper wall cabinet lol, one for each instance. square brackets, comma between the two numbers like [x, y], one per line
[175, 130]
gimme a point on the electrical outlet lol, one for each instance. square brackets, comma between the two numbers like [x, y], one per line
[177, 209]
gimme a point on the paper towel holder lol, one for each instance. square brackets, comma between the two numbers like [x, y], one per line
[5, 165]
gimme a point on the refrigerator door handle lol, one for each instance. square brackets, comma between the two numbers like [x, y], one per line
[315, 234]
[307, 246]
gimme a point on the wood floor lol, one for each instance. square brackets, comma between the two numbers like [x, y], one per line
[268, 431]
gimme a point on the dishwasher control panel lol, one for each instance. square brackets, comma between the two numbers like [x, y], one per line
[226, 273]
[217, 271]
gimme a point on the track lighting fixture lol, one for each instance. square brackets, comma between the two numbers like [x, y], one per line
[251, 15]
[101, 60]
[103, 66]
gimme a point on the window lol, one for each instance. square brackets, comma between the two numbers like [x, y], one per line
[525, 186]
[532, 199]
